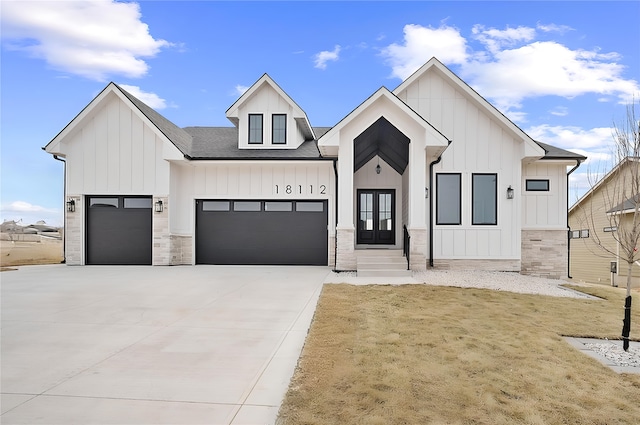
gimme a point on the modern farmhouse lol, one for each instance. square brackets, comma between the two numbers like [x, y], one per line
[430, 169]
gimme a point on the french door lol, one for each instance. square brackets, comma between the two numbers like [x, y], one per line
[376, 216]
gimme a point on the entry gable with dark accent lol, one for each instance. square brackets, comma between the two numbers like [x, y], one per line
[383, 139]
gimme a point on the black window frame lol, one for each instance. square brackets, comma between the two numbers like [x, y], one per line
[439, 193]
[273, 129]
[526, 185]
[250, 132]
[474, 222]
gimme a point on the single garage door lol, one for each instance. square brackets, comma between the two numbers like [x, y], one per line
[261, 232]
[119, 230]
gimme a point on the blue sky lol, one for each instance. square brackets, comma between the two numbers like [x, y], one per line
[562, 71]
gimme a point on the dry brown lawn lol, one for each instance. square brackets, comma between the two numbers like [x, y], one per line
[29, 253]
[420, 354]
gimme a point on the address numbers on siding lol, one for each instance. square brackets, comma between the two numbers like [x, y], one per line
[291, 189]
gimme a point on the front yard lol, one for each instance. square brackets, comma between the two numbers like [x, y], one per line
[420, 354]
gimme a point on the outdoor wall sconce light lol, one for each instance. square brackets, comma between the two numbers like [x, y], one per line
[426, 192]
[71, 205]
[509, 192]
[158, 207]
[378, 169]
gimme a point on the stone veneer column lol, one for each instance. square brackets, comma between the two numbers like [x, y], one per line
[332, 251]
[73, 232]
[161, 239]
[544, 253]
[345, 255]
[181, 250]
[417, 248]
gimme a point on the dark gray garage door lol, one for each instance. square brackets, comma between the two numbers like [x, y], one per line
[119, 230]
[261, 232]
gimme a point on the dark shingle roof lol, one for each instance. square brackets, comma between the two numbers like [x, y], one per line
[180, 138]
[551, 152]
[629, 204]
[219, 142]
[222, 143]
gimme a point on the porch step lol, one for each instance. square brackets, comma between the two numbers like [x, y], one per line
[381, 262]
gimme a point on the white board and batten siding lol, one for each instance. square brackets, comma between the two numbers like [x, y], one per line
[115, 152]
[480, 144]
[255, 180]
[545, 210]
[267, 101]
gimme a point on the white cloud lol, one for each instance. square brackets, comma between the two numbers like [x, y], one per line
[94, 39]
[547, 68]
[573, 138]
[151, 99]
[495, 39]
[323, 57]
[28, 213]
[512, 65]
[560, 111]
[421, 44]
[240, 89]
[554, 28]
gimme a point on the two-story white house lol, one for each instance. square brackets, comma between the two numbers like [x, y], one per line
[430, 168]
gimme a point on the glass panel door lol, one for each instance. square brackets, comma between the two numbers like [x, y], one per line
[376, 216]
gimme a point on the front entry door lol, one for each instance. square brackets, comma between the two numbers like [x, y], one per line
[376, 217]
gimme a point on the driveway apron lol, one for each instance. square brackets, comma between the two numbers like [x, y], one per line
[152, 345]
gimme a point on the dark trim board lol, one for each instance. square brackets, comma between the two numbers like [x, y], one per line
[262, 232]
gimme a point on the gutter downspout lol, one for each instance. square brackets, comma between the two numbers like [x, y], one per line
[578, 162]
[431, 206]
[64, 217]
[335, 237]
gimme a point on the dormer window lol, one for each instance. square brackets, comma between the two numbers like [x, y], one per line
[279, 129]
[255, 129]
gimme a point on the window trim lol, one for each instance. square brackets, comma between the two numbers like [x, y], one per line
[261, 130]
[438, 220]
[473, 194]
[273, 128]
[526, 185]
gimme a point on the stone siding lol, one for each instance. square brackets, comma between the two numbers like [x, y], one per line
[418, 246]
[73, 228]
[345, 255]
[181, 250]
[332, 251]
[485, 265]
[544, 253]
[161, 238]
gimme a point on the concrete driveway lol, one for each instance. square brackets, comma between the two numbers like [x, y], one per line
[152, 345]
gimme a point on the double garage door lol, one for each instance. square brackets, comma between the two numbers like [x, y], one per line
[261, 232]
[120, 231]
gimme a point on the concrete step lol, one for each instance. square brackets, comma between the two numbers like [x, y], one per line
[386, 264]
[381, 262]
[383, 273]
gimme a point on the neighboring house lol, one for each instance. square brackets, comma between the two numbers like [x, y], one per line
[597, 219]
[471, 188]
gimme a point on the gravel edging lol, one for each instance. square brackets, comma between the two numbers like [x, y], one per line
[500, 281]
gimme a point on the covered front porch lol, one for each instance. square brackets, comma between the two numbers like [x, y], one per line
[383, 149]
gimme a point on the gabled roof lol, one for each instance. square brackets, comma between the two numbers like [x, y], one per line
[192, 142]
[603, 180]
[532, 149]
[627, 206]
[298, 114]
[383, 92]
[166, 129]
[552, 152]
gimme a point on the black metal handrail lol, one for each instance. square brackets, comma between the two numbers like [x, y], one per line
[406, 247]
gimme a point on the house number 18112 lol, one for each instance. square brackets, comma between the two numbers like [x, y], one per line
[289, 189]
